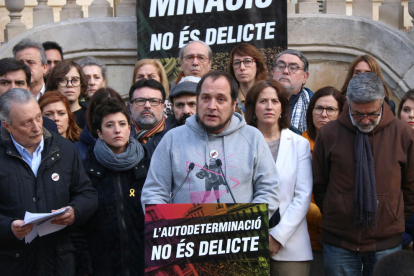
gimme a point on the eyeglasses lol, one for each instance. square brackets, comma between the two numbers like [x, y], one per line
[292, 68]
[330, 111]
[65, 82]
[359, 117]
[143, 101]
[190, 58]
[247, 62]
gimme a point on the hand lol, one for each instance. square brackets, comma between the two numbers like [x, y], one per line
[66, 218]
[274, 246]
[21, 232]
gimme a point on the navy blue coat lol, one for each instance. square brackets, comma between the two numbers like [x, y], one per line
[21, 191]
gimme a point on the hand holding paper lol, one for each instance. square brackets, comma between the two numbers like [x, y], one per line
[66, 218]
[42, 223]
[21, 231]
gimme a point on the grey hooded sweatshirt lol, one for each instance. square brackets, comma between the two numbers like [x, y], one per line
[247, 164]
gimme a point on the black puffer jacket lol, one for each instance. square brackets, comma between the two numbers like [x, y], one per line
[115, 233]
[21, 191]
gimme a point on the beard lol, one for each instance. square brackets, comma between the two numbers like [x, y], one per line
[212, 129]
[182, 119]
[366, 128]
[146, 121]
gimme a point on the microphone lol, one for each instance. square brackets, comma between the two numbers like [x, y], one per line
[190, 168]
[219, 164]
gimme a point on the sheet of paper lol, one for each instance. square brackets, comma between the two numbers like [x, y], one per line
[41, 224]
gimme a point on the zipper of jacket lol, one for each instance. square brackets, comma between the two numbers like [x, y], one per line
[122, 225]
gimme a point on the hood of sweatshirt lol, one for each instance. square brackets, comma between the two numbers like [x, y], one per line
[386, 118]
[237, 122]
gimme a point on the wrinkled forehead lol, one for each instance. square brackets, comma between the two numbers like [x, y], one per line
[147, 92]
[195, 48]
[290, 59]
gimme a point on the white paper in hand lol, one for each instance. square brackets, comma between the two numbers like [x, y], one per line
[41, 224]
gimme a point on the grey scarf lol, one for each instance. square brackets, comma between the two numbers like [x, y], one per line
[365, 197]
[119, 162]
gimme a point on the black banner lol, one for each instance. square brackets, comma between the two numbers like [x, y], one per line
[165, 26]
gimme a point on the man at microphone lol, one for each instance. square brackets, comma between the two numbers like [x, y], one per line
[215, 156]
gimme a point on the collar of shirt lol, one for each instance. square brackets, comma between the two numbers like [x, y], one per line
[42, 91]
[32, 160]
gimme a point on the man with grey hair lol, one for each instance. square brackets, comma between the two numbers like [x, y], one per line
[196, 58]
[291, 69]
[40, 173]
[33, 54]
[364, 164]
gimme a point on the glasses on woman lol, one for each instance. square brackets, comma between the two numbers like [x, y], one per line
[247, 62]
[330, 111]
[65, 82]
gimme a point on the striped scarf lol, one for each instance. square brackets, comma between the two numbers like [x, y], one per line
[145, 134]
[298, 119]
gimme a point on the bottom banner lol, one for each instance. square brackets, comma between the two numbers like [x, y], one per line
[207, 239]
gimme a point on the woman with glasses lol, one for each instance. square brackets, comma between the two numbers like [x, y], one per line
[267, 109]
[247, 65]
[68, 78]
[117, 169]
[325, 105]
[55, 106]
[363, 64]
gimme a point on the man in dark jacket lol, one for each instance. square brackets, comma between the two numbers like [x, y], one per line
[40, 172]
[363, 170]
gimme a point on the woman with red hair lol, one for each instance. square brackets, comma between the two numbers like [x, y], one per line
[55, 106]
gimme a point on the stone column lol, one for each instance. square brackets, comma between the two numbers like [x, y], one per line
[71, 10]
[362, 8]
[391, 12]
[334, 6]
[411, 12]
[15, 26]
[307, 6]
[42, 13]
[127, 8]
[100, 8]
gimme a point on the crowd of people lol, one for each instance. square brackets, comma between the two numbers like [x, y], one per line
[336, 168]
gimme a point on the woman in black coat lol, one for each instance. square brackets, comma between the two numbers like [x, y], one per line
[117, 169]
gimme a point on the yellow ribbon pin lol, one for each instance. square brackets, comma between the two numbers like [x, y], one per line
[132, 192]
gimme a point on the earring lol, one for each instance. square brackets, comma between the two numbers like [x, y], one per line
[254, 117]
[280, 116]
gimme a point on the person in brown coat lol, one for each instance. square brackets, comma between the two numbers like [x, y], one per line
[363, 169]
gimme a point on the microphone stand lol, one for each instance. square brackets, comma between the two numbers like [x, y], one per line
[218, 162]
[190, 168]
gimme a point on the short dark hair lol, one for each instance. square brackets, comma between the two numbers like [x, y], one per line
[301, 56]
[98, 97]
[12, 65]
[51, 45]
[324, 91]
[60, 70]
[147, 83]
[408, 96]
[253, 95]
[107, 107]
[234, 87]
